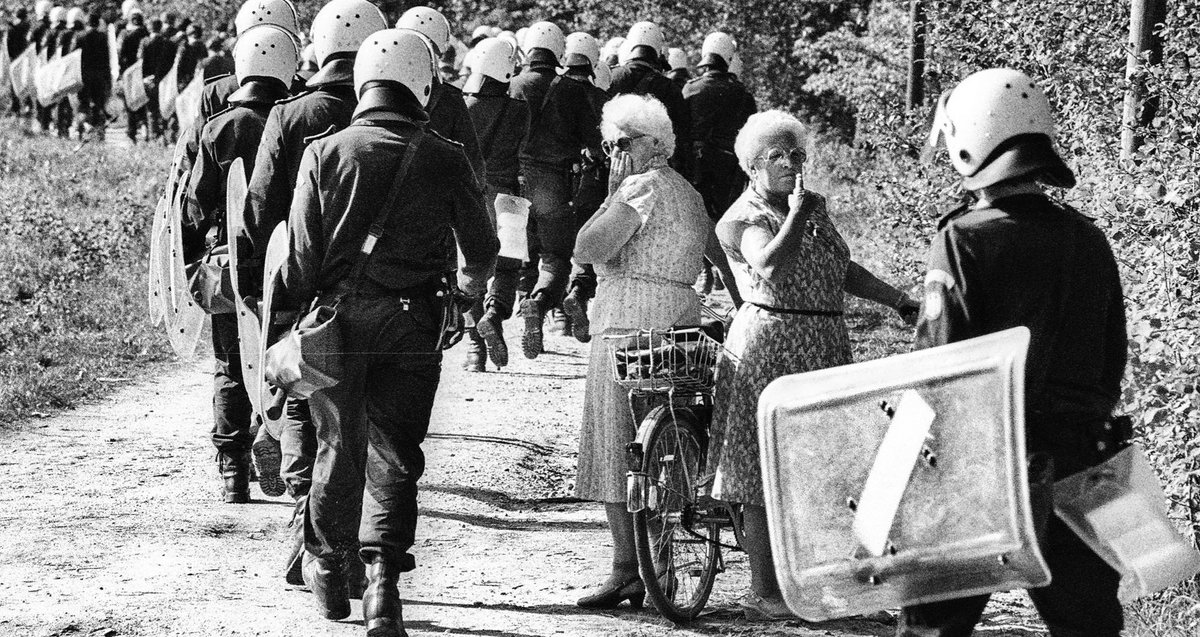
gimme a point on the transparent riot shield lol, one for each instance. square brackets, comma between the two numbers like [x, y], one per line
[1119, 509]
[183, 317]
[247, 321]
[277, 251]
[156, 287]
[902, 480]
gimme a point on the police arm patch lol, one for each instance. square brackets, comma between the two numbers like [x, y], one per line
[937, 283]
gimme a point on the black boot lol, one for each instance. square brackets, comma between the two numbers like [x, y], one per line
[235, 476]
[326, 578]
[293, 571]
[476, 352]
[381, 601]
[532, 313]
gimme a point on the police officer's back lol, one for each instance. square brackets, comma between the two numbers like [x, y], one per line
[130, 41]
[1016, 257]
[642, 75]
[17, 37]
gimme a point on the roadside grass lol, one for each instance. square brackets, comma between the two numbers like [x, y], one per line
[74, 228]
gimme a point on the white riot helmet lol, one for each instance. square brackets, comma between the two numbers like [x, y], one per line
[58, 14]
[581, 48]
[603, 76]
[718, 46]
[677, 58]
[397, 55]
[41, 8]
[127, 7]
[998, 125]
[735, 65]
[480, 33]
[266, 51]
[545, 35]
[280, 13]
[520, 35]
[492, 57]
[76, 15]
[342, 25]
[430, 23]
[646, 34]
[612, 48]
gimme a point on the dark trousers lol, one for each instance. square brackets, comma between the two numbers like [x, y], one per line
[552, 229]
[93, 104]
[232, 412]
[720, 181]
[370, 427]
[590, 193]
[502, 288]
[133, 121]
[298, 445]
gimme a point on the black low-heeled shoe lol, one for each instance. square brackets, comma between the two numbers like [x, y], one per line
[611, 596]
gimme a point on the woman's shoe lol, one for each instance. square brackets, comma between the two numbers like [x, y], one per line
[759, 609]
[611, 596]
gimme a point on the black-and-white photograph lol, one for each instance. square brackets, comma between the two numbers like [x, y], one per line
[528, 318]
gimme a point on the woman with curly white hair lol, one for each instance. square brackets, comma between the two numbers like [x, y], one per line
[646, 242]
[793, 269]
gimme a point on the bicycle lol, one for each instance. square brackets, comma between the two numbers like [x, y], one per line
[677, 528]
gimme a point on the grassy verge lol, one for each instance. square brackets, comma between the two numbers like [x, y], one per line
[73, 245]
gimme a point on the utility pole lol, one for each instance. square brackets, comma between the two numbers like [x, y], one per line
[1140, 109]
[917, 31]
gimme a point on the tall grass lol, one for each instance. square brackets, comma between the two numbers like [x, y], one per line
[74, 226]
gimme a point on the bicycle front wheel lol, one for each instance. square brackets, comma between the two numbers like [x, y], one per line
[678, 554]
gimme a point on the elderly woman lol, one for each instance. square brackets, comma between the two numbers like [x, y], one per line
[792, 267]
[646, 241]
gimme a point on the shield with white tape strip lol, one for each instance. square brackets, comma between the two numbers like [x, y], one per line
[277, 251]
[902, 480]
[247, 321]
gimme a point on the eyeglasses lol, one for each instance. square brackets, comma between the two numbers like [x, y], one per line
[622, 144]
[777, 156]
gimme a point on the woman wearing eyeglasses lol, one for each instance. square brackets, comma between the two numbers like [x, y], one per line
[793, 269]
[646, 242]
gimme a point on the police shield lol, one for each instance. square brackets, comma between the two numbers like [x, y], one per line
[247, 320]
[157, 289]
[277, 251]
[902, 480]
[183, 317]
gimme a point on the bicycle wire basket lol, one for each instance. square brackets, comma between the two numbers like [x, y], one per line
[665, 360]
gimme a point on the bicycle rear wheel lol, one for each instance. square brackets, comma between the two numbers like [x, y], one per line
[678, 554]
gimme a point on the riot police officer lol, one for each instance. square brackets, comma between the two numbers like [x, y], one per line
[373, 208]
[1017, 257]
[264, 61]
[503, 122]
[563, 122]
[157, 55]
[128, 48]
[677, 65]
[50, 42]
[92, 44]
[447, 110]
[337, 31]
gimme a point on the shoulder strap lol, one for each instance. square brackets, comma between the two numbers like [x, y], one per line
[381, 216]
[536, 118]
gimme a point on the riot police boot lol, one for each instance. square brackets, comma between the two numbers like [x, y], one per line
[491, 329]
[326, 578]
[293, 571]
[559, 321]
[235, 477]
[382, 613]
[476, 352]
[356, 576]
[267, 457]
[532, 313]
[575, 307]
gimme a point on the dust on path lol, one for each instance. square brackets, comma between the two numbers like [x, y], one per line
[112, 524]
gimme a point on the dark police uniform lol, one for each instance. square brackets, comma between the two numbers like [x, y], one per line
[562, 123]
[291, 126]
[92, 44]
[719, 106]
[502, 123]
[230, 134]
[1029, 261]
[49, 48]
[449, 118]
[641, 77]
[679, 77]
[63, 113]
[128, 49]
[158, 54]
[372, 423]
[591, 189]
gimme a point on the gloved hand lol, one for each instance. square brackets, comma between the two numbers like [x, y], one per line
[453, 317]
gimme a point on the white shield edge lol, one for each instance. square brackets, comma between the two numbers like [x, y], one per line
[155, 288]
[247, 321]
[1004, 352]
[184, 318]
[277, 251]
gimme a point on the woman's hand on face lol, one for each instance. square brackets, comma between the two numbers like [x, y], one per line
[622, 167]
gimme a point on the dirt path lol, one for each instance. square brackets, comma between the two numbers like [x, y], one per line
[112, 524]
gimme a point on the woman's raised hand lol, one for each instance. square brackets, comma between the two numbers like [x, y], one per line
[622, 167]
[800, 200]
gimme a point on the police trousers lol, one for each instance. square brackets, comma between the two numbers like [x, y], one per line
[719, 180]
[232, 412]
[551, 229]
[370, 427]
[502, 288]
[298, 446]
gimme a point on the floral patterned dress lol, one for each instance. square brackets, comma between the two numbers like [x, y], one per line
[648, 284]
[767, 344]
